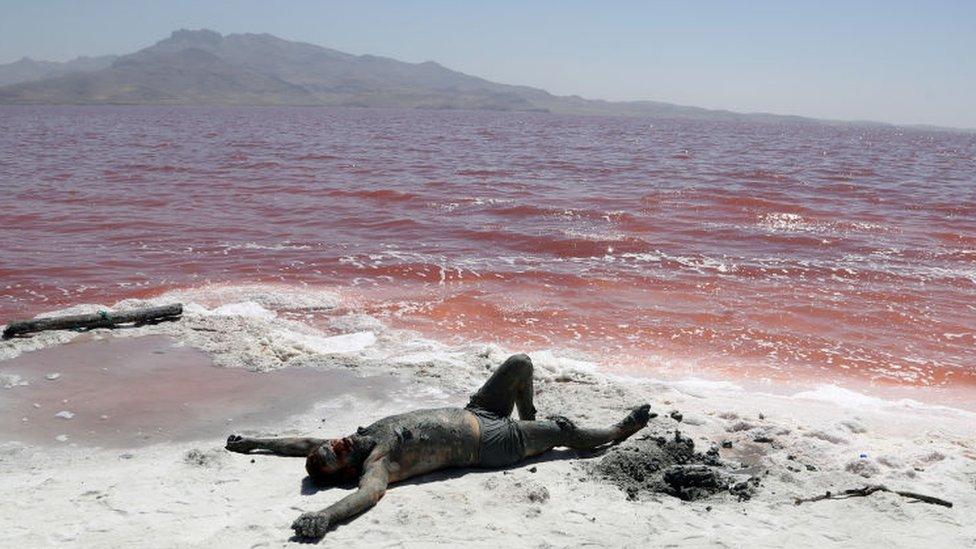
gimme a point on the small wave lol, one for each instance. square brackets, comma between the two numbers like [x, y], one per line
[789, 222]
[267, 164]
[701, 264]
[161, 168]
[398, 224]
[279, 246]
[959, 209]
[531, 210]
[381, 195]
[317, 156]
[848, 398]
[713, 199]
[485, 173]
[756, 203]
[760, 175]
[595, 246]
[956, 238]
[524, 210]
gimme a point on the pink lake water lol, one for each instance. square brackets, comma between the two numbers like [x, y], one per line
[748, 250]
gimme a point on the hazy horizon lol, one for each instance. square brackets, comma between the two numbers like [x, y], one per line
[887, 62]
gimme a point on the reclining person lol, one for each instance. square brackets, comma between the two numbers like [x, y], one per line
[406, 445]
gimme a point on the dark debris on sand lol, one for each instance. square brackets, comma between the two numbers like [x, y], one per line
[670, 465]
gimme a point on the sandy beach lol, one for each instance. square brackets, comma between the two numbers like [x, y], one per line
[163, 479]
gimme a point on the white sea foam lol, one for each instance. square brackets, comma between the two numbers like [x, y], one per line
[248, 333]
[699, 384]
[841, 396]
[848, 398]
[563, 361]
[270, 296]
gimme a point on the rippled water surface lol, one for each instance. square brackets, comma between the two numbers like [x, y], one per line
[763, 251]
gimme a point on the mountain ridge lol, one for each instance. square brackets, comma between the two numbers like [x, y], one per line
[204, 67]
[26, 69]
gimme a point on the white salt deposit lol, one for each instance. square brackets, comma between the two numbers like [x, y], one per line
[246, 308]
[9, 381]
[345, 343]
[252, 499]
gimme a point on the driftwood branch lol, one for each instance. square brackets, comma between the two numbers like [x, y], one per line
[101, 319]
[868, 490]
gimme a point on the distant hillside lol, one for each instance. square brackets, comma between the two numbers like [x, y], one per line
[203, 67]
[28, 69]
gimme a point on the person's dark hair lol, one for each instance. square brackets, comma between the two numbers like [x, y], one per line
[336, 461]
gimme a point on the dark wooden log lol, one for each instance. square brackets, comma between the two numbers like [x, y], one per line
[101, 319]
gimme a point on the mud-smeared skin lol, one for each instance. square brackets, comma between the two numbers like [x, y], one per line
[406, 445]
[542, 436]
[670, 465]
[295, 447]
[395, 448]
[422, 441]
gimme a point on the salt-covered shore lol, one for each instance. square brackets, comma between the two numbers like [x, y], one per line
[192, 493]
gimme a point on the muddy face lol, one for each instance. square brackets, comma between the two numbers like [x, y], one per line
[332, 463]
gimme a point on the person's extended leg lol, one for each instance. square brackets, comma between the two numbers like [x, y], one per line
[509, 386]
[291, 447]
[542, 436]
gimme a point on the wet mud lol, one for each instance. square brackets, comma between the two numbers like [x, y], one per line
[671, 465]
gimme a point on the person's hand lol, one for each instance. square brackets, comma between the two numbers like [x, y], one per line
[311, 525]
[237, 443]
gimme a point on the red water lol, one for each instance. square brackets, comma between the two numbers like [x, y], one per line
[752, 250]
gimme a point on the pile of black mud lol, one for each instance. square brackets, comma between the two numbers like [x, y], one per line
[670, 465]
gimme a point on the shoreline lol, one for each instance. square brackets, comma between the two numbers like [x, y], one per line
[193, 493]
[254, 309]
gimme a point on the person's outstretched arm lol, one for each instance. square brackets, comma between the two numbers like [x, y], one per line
[372, 486]
[290, 447]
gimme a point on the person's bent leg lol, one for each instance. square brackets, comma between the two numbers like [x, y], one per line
[523, 396]
[542, 436]
[290, 447]
[509, 386]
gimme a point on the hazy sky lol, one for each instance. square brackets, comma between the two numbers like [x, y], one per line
[894, 61]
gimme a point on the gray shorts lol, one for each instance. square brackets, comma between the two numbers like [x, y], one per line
[502, 441]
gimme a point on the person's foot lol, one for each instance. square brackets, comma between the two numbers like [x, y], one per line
[635, 421]
[239, 444]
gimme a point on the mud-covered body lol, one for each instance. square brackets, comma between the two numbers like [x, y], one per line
[426, 440]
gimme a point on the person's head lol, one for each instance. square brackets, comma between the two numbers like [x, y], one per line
[335, 461]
